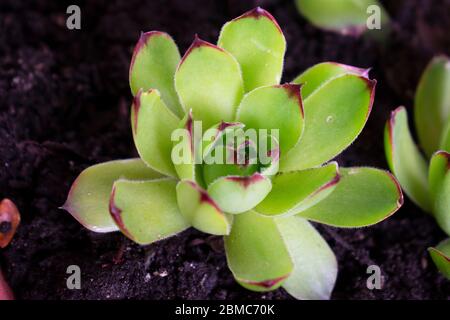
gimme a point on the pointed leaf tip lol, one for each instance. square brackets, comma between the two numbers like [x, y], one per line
[208, 80]
[257, 13]
[197, 43]
[294, 91]
[257, 42]
[153, 65]
[89, 195]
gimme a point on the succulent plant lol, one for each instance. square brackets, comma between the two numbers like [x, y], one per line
[425, 177]
[262, 204]
[347, 17]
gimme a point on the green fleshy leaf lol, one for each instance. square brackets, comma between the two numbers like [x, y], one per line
[153, 66]
[441, 257]
[152, 124]
[257, 42]
[146, 211]
[439, 180]
[200, 210]
[432, 104]
[445, 139]
[335, 115]
[185, 144]
[405, 160]
[347, 17]
[89, 195]
[315, 266]
[276, 107]
[256, 253]
[208, 81]
[296, 191]
[364, 196]
[237, 194]
[316, 76]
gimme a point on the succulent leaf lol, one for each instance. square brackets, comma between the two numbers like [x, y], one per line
[89, 195]
[152, 124]
[364, 196]
[316, 76]
[255, 39]
[445, 139]
[441, 257]
[405, 159]
[146, 211]
[237, 194]
[432, 104]
[155, 59]
[295, 191]
[347, 17]
[200, 210]
[209, 81]
[275, 107]
[256, 252]
[315, 266]
[439, 180]
[185, 143]
[335, 115]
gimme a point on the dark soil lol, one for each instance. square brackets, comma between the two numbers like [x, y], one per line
[64, 105]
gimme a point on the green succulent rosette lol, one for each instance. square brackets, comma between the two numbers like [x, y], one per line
[262, 205]
[425, 176]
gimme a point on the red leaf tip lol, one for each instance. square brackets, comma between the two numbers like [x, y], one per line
[267, 284]
[197, 43]
[144, 38]
[294, 91]
[257, 13]
[246, 181]
[116, 213]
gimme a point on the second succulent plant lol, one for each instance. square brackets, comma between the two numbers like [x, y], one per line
[426, 179]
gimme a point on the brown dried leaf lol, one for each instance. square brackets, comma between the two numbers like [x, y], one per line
[9, 221]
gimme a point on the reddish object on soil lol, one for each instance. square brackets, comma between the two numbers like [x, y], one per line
[9, 221]
[5, 291]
